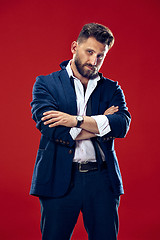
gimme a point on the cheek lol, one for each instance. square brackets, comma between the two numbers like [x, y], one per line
[82, 58]
[85, 60]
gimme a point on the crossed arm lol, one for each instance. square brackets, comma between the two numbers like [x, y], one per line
[89, 125]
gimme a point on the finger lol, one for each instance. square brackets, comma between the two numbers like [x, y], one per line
[49, 112]
[55, 124]
[51, 115]
[111, 110]
[47, 117]
[114, 107]
[53, 120]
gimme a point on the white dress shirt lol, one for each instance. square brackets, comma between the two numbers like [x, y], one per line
[84, 148]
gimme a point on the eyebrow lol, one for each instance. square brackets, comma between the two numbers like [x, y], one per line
[94, 51]
[90, 49]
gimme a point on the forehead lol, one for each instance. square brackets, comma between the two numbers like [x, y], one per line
[93, 44]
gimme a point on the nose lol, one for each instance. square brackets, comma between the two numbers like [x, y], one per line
[93, 60]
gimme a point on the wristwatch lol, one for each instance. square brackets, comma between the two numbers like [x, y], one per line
[80, 120]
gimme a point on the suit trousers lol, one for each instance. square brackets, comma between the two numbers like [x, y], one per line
[91, 193]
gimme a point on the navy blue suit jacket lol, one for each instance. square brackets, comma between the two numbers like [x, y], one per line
[52, 170]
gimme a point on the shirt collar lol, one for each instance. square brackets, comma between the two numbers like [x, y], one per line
[70, 72]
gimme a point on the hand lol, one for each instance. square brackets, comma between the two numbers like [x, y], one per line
[56, 118]
[111, 110]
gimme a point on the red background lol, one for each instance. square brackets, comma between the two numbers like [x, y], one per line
[35, 38]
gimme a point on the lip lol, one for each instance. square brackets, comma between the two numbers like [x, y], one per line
[91, 68]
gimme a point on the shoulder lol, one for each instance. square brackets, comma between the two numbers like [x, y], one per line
[110, 87]
[49, 80]
[54, 75]
[109, 82]
[50, 77]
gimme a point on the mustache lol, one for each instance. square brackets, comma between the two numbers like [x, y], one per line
[91, 66]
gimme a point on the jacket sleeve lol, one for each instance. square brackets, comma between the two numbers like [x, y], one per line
[119, 121]
[44, 100]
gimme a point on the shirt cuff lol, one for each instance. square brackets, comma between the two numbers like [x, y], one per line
[74, 132]
[103, 125]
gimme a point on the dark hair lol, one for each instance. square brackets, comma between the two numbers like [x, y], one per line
[101, 33]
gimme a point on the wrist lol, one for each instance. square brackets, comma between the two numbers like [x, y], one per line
[74, 121]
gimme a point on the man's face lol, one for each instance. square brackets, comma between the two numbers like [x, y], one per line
[88, 57]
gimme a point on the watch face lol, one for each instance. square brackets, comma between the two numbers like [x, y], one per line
[79, 118]
[79, 121]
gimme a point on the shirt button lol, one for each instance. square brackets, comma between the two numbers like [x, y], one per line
[70, 151]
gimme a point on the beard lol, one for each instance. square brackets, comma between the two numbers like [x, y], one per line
[86, 73]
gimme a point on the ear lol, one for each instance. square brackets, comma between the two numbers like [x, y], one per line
[74, 47]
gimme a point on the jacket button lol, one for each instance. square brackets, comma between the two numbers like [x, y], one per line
[64, 142]
[70, 151]
[67, 143]
[60, 140]
[57, 140]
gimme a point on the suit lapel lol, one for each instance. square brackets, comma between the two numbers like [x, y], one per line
[69, 92]
[95, 99]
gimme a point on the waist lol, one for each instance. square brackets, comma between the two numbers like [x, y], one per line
[88, 166]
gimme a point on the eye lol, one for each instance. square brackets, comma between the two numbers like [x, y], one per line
[99, 56]
[90, 52]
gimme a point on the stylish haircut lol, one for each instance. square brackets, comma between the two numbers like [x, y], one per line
[101, 33]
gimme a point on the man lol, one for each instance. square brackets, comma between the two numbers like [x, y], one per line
[79, 113]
